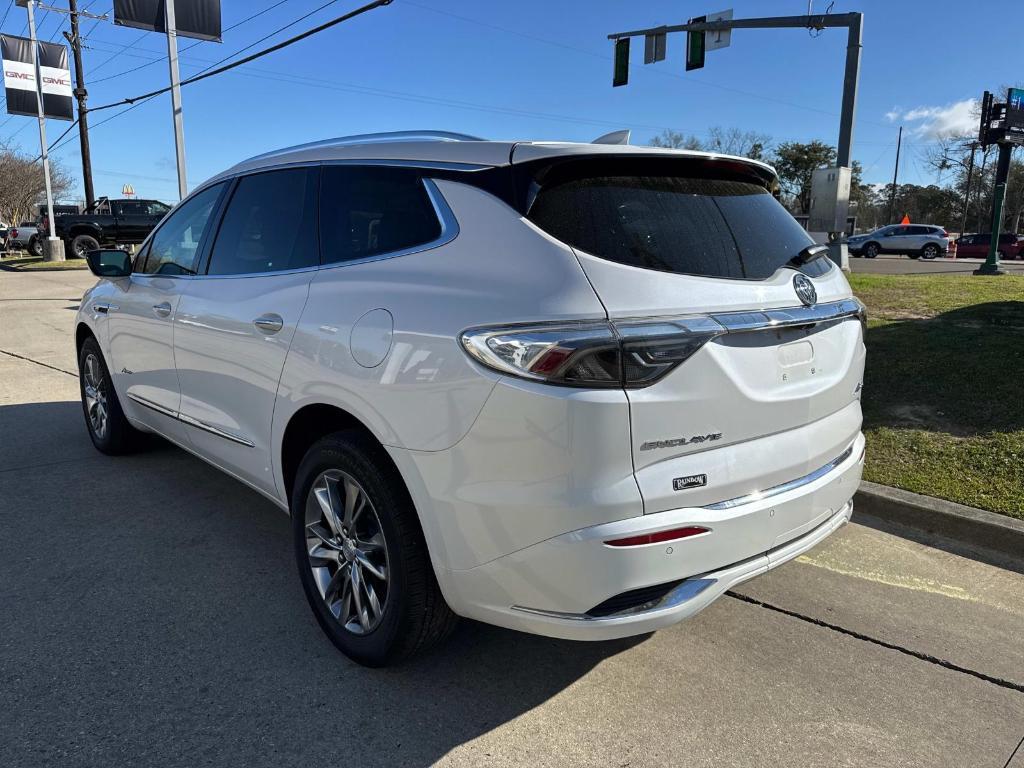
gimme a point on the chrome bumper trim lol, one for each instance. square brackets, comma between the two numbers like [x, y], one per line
[775, 490]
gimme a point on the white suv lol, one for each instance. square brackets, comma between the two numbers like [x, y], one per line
[577, 390]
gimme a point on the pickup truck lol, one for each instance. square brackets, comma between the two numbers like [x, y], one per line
[25, 235]
[112, 223]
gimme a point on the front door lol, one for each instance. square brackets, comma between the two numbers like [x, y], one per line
[234, 324]
[141, 317]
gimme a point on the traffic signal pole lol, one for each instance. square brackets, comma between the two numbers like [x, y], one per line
[991, 265]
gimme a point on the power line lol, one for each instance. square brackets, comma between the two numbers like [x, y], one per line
[252, 57]
[138, 101]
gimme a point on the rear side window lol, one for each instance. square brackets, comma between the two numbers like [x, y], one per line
[269, 224]
[729, 228]
[372, 211]
[922, 231]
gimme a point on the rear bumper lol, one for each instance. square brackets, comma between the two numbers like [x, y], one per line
[550, 587]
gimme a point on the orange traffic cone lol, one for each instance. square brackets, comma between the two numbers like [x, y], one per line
[906, 219]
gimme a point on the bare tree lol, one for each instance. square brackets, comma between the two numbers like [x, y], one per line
[22, 187]
[733, 141]
[676, 140]
[726, 141]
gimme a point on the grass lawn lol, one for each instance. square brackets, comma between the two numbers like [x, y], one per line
[29, 263]
[944, 388]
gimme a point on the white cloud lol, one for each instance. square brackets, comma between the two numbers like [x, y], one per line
[956, 119]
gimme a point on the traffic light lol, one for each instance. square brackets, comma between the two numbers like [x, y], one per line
[621, 75]
[695, 45]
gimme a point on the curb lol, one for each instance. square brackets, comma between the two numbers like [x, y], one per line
[977, 527]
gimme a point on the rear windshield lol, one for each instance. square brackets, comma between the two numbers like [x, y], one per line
[686, 224]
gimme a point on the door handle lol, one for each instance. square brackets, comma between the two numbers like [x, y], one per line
[269, 323]
[162, 310]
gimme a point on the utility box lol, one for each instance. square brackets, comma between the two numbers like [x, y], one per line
[830, 200]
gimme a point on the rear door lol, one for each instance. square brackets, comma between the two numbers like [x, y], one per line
[897, 240]
[235, 323]
[703, 243]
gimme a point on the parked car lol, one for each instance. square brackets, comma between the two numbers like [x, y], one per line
[914, 240]
[976, 246]
[575, 390]
[112, 223]
[25, 236]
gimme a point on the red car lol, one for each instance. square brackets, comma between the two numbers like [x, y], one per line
[976, 246]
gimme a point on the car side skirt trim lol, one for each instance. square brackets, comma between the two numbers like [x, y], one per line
[193, 422]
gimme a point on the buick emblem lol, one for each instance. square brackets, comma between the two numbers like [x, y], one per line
[805, 290]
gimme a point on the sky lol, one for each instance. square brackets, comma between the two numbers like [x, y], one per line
[529, 69]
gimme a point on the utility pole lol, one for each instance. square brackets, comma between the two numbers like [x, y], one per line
[895, 173]
[172, 61]
[53, 249]
[967, 192]
[80, 94]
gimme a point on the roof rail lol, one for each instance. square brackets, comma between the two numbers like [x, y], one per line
[374, 138]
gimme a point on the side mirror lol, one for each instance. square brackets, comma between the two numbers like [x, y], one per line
[109, 263]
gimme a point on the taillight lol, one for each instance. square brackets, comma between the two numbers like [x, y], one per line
[13, 234]
[944, 233]
[596, 354]
[660, 537]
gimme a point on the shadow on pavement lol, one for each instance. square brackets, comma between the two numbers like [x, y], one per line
[152, 613]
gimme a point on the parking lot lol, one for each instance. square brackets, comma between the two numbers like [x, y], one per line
[152, 616]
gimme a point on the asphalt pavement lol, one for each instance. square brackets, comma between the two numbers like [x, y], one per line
[152, 616]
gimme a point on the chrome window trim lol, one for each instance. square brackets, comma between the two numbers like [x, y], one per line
[186, 419]
[776, 490]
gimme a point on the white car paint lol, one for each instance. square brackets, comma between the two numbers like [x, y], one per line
[518, 484]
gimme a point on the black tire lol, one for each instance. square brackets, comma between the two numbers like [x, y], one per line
[118, 436]
[82, 244]
[415, 614]
[915, 255]
[35, 246]
[1002, 255]
[930, 251]
[871, 250]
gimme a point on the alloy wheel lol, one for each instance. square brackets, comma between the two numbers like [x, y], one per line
[95, 396]
[347, 552]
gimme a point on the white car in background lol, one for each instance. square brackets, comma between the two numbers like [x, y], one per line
[576, 390]
[925, 241]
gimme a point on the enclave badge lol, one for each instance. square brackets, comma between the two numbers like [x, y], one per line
[690, 481]
[805, 290]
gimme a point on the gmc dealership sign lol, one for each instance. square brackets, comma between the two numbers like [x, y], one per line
[20, 78]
